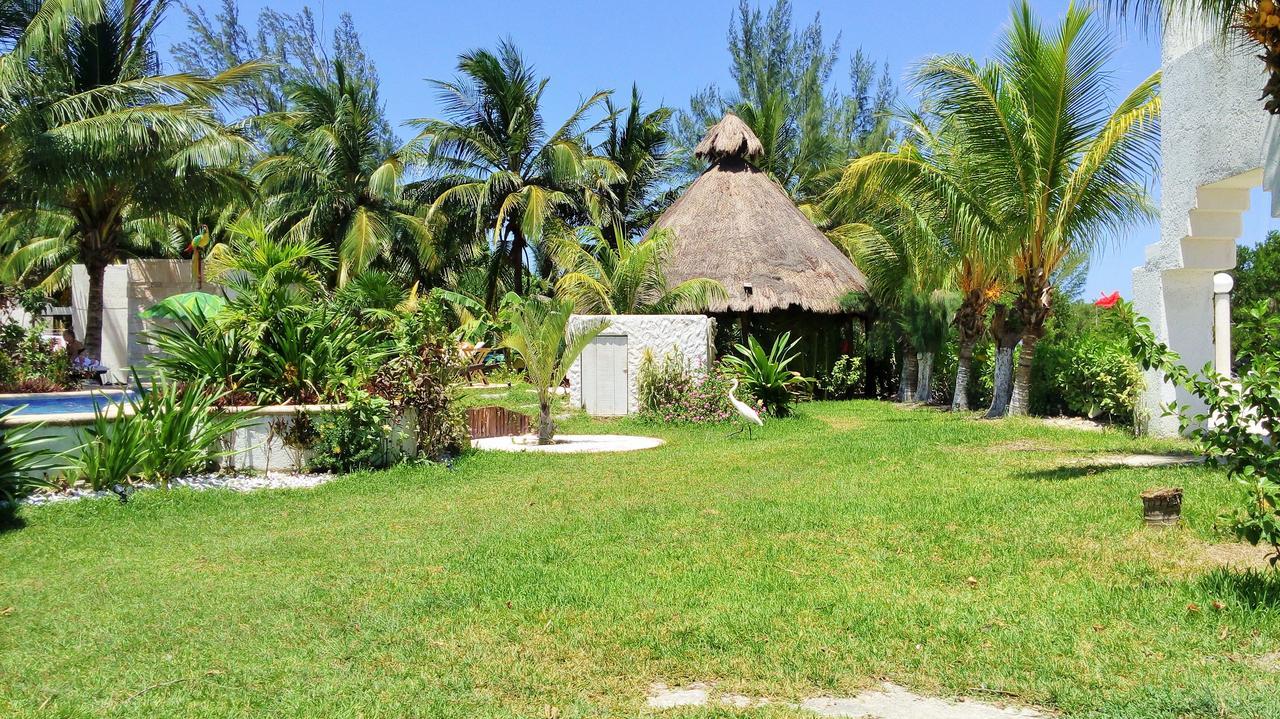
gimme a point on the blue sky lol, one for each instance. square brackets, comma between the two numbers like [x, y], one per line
[671, 49]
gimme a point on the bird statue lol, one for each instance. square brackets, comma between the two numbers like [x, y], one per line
[750, 415]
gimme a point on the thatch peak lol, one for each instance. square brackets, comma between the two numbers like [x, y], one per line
[729, 138]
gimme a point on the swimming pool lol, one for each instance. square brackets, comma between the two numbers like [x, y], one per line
[62, 402]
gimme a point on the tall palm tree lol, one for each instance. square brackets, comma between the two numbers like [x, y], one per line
[625, 276]
[99, 147]
[498, 163]
[927, 176]
[1063, 167]
[333, 180]
[638, 143]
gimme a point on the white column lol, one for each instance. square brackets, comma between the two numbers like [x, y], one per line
[1223, 283]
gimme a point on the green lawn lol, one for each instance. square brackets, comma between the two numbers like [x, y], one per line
[829, 554]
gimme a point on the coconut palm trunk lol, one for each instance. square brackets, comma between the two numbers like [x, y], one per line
[1033, 308]
[964, 364]
[518, 245]
[910, 374]
[93, 311]
[1004, 331]
[924, 381]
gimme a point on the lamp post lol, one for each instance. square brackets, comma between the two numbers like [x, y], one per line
[1223, 283]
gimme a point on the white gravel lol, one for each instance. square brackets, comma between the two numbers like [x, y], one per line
[234, 482]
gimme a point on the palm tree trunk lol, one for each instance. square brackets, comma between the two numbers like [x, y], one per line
[518, 246]
[93, 315]
[924, 385]
[1020, 405]
[1002, 389]
[546, 426]
[907, 383]
[964, 364]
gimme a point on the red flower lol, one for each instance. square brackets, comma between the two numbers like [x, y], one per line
[1106, 302]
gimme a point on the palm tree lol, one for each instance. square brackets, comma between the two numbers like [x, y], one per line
[333, 180]
[1246, 21]
[99, 147]
[498, 163]
[1063, 168]
[926, 175]
[625, 276]
[639, 145]
[539, 334]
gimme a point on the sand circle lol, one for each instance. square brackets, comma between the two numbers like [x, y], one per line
[568, 443]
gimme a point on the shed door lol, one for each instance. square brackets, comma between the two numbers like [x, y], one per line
[604, 376]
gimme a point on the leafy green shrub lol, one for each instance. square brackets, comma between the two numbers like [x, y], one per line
[844, 379]
[28, 361]
[24, 463]
[764, 374]
[1236, 428]
[421, 381]
[668, 391]
[163, 432]
[353, 438]
[1084, 366]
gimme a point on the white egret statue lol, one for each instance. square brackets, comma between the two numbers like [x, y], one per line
[750, 415]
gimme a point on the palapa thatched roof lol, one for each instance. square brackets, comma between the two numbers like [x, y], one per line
[737, 226]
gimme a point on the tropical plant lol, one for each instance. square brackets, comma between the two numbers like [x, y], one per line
[333, 181]
[541, 336]
[25, 462]
[925, 179]
[354, 437]
[639, 145]
[844, 378]
[421, 378]
[1236, 425]
[625, 276]
[1249, 22]
[498, 164]
[764, 374]
[182, 428]
[100, 147]
[161, 431]
[321, 356]
[190, 347]
[1046, 146]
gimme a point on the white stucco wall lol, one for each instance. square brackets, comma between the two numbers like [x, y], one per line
[127, 290]
[692, 335]
[1213, 144]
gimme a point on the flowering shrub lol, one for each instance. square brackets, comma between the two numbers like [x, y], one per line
[843, 380]
[670, 392]
[1236, 427]
[29, 362]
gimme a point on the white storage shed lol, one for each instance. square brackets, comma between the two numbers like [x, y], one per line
[603, 379]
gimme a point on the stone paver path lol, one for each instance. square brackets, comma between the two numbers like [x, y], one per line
[888, 702]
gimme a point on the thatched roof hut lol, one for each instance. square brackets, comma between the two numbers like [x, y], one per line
[736, 225]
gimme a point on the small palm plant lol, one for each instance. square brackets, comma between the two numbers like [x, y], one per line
[540, 335]
[626, 277]
[765, 376]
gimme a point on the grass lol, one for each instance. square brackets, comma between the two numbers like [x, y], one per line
[832, 552]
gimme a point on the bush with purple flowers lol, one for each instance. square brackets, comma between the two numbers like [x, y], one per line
[670, 391]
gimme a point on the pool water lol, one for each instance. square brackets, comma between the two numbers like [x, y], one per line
[62, 403]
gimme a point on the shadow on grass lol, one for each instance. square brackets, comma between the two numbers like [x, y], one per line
[1252, 588]
[9, 519]
[1072, 471]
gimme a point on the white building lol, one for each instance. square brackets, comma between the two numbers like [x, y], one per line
[1216, 140]
[603, 379]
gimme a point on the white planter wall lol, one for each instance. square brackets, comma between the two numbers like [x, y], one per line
[691, 335]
